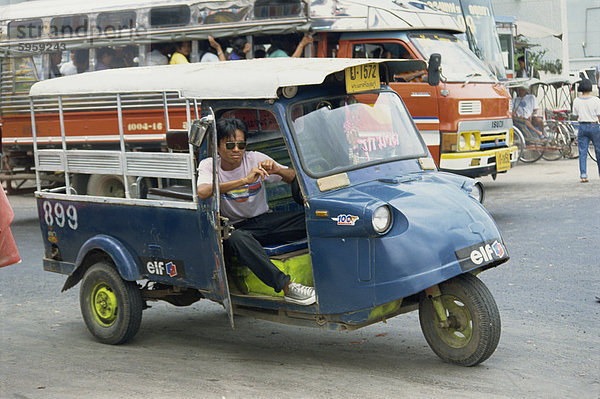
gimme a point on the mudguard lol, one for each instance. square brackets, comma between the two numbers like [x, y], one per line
[127, 265]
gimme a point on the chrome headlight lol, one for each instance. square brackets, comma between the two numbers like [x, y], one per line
[382, 219]
[463, 142]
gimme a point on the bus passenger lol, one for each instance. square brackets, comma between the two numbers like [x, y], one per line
[105, 58]
[80, 62]
[182, 51]
[243, 200]
[278, 46]
[214, 53]
[158, 55]
[241, 48]
[53, 70]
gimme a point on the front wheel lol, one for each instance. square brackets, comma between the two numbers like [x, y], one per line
[111, 307]
[471, 331]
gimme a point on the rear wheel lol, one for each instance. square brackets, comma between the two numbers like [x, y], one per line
[530, 154]
[472, 330]
[111, 307]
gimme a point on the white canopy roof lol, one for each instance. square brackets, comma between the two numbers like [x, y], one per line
[251, 79]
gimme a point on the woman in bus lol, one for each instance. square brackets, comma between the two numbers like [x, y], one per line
[182, 51]
[241, 47]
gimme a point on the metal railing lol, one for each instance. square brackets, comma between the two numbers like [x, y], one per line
[168, 165]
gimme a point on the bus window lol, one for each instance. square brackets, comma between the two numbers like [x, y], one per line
[116, 57]
[25, 74]
[380, 50]
[170, 16]
[221, 16]
[73, 25]
[114, 21]
[277, 9]
[28, 29]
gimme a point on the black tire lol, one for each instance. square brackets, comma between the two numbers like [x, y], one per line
[573, 146]
[556, 144]
[592, 151]
[530, 155]
[474, 329]
[518, 141]
[111, 307]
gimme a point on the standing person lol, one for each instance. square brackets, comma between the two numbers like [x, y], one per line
[242, 177]
[587, 109]
[181, 54]
[598, 79]
[522, 73]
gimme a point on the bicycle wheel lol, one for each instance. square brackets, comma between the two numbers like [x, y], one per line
[556, 143]
[592, 152]
[518, 141]
[574, 149]
[529, 153]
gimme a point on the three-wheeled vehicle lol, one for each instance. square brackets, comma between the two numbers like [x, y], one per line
[387, 232]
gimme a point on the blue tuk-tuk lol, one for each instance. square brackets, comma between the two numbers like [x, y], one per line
[387, 232]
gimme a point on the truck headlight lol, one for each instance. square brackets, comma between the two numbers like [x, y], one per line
[382, 219]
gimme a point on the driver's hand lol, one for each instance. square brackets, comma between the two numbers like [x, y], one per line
[269, 166]
[256, 173]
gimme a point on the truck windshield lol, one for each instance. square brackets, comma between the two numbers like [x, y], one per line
[347, 132]
[459, 64]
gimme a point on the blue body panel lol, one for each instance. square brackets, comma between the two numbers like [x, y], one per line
[130, 233]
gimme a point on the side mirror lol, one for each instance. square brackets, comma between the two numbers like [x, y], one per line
[434, 70]
[199, 129]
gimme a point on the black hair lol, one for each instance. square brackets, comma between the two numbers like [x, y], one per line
[81, 60]
[585, 86]
[238, 46]
[226, 128]
[521, 58]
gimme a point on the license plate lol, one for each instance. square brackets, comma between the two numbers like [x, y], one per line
[362, 78]
[502, 160]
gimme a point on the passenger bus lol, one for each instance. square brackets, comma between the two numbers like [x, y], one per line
[465, 121]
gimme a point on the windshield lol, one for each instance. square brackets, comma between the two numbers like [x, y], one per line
[482, 26]
[459, 64]
[345, 132]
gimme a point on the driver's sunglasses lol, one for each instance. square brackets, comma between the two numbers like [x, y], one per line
[231, 144]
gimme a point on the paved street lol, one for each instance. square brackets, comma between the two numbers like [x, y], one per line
[550, 344]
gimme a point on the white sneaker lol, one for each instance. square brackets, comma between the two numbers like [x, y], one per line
[300, 294]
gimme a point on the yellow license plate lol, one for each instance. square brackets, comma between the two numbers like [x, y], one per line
[362, 78]
[502, 160]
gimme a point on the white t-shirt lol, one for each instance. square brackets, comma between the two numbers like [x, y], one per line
[587, 108]
[156, 58]
[524, 106]
[209, 57]
[68, 69]
[243, 202]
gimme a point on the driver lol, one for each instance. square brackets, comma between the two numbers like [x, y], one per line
[244, 201]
